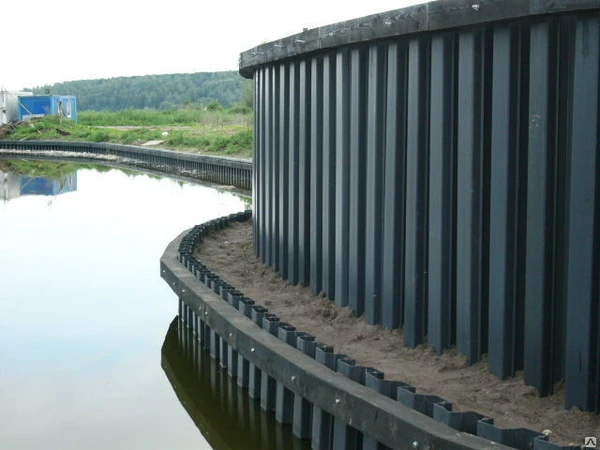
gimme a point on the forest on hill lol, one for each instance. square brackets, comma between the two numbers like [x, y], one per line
[155, 91]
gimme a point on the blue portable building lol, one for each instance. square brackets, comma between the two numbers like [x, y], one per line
[43, 105]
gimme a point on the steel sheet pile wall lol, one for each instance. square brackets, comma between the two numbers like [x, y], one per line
[228, 171]
[436, 169]
[325, 396]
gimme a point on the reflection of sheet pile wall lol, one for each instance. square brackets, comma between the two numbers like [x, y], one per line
[9, 186]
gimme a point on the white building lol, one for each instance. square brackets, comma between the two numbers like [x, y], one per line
[9, 105]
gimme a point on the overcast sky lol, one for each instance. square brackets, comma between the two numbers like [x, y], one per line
[49, 41]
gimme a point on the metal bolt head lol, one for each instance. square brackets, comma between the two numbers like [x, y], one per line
[475, 8]
[337, 401]
[415, 444]
[252, 350]
[293, 378]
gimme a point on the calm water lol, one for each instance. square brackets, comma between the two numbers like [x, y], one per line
[228, 417]
[84, 312]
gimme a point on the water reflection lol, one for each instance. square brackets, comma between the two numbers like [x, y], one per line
[83, 312]
[10, 185]
[15, 185]
[227, 417]
[51, 179]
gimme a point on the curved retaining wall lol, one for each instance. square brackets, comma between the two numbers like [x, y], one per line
[435, 168]
[226, 171]
[325, 396]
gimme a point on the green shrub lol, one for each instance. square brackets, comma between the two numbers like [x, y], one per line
[99, 136]
[214, 106]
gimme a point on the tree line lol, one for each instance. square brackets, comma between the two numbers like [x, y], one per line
[155, 91]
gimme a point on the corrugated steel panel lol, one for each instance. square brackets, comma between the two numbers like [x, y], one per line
[444, 182]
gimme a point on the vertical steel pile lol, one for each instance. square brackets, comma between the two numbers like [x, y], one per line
[436, 169]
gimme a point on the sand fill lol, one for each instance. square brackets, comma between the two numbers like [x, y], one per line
[511, 403]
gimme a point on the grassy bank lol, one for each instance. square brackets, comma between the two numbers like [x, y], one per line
[218, 131]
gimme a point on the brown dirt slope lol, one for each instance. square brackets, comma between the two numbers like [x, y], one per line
[512, 404]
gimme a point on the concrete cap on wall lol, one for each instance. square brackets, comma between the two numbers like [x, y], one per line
[433, 16]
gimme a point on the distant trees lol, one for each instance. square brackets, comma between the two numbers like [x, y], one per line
[156, 91]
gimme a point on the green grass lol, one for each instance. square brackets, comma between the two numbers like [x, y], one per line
[191, 129]
[237, 143]
[193, 116]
